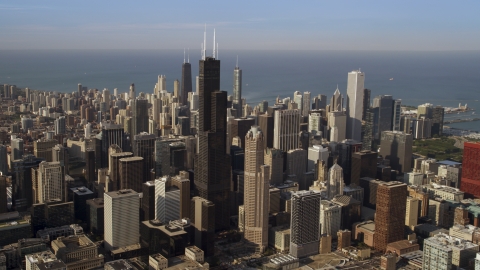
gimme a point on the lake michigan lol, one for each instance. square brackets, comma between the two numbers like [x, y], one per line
[441, 78]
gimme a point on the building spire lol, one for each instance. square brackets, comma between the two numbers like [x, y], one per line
[214, 43]
[184, 55]
[188, 61]
[237, 62]
[204, 49]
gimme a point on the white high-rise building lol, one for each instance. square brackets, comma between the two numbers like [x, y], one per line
[121, 218]
[335, 181]
[298, 98]
[315, 123]
[49, 184]
[106, 97]
[60, 125]
[315, 153]
[286, 129]
[167, 200]
[330, 218]
[355, 86]
[337, 121]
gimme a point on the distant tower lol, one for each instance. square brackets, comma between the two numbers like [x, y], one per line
[355, 86]
[60, 125]
[336, 103]
[396, 146]
[256, 195]
[186, 83]
[106, 97]
[335, 181]
[132, 94]
[384, 103]
[307, 103]
[298, 98]
[237, 89]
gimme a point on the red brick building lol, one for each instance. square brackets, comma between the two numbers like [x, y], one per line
[470, 183]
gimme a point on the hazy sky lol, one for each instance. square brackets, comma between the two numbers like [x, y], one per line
[311, 25]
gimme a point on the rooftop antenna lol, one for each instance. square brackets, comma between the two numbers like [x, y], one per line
[217, 51]
[204, 43]
[184, 55]
[188, 55]
[237, 62]
[213, 55]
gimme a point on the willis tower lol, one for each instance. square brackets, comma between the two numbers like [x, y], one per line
[212, 163]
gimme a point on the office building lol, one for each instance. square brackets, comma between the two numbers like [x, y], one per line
[48, 182]
[121, 218]
[315, 123]
[53, 213]
[95, 215]
[22, 194]
[266, 124]
[274, 159]
[330, 217]
[212, 164]
[412, 211]
[344, 239]
[296, 167]
[186, 82]
[396, 115]
[390, 214]
[144, 146]
[240, 127]
[16, 145]
[336, 103]
[33, 260]
[112, 134]
[202, 216]
[384, 103]
[355, 88]
[167, 200]
[397, 146]
[77, 252]
[60, 125]
[337, 122]
[3, 159]
[140, 116]
[316, 153]
[183, 184]
[130, 169]
[43, 148]
[256, 194]
[335, 181]
[286, 129]
[366, 102]
[307, 103]
[305, 226]
[442, 251]
[470, 183]
[364, 164]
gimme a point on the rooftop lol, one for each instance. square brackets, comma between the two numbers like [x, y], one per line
[122, 193]
[449, 242]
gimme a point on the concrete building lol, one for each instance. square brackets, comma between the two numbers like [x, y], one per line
[325, 244]
[286, 129]
[32, 260]
[202, 216]
[157, 262]
[335, 181]
[337, 122]
[396, 146]
[78, 252]
[330, 217]
[279, 238]
[355, 86]
[256, 194]
[316, 153]
[365, 232]
[390, 214]
[446, 252]
[48, 182]
[167, 200]
[305, 228]
[444, 192]
[296, 167]
[274, 159]
[344, 239]
[121, 218]
[130, 169]
[412, 212]
[470, 183]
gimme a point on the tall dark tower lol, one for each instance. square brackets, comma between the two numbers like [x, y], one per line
[212, 164]
[186, 86]
[237, 90]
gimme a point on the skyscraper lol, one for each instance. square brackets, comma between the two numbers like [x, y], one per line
[140, 116]
[470, 183]
[130, 171]
[256, 194]
[390, 214]
[384, 103]
[366, 102]
[186, 84]
[396, 116]
[49, 182]
[111, 134]
[307, 103]
[202, 215]
[121, 218]
[3, 159]
[212, 164]
[396, 146]
[60, 125]
[305, 225]
[144, 146]
[355, 86]
[286, 129]
[274, 159]
[132, 94]
[335, 181]
[336, 103]
[17, 148]
[237, 89]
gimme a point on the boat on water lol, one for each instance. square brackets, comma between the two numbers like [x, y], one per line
[391, 79]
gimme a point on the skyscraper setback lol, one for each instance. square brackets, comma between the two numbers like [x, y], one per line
[212, 164]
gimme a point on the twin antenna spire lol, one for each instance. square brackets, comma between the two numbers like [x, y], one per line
[204, 47]
[188, 61]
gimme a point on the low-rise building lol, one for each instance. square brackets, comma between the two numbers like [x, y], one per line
[78, 252]
[157, 262]
[444, 192]
[195, 254]
[279, 238]
[402, 247]
[365, 232]
[446, 252]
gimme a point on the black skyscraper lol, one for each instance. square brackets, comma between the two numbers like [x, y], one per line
[186, 86]
[212, 164]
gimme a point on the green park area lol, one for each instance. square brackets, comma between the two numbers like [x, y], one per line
[438, 148]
